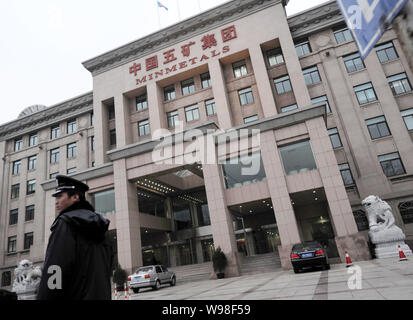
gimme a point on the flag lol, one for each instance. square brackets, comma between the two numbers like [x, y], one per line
[160, 5]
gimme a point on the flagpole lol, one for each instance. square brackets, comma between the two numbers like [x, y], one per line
[179, 11]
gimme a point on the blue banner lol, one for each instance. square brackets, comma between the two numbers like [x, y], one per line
[368, 19]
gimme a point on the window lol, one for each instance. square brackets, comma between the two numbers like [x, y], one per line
[275, 57]
[104, 202]
[12, 244]
[378, 127]
[243, 170]
[93, 164]
[92, 143]
[32, 140]
[31, 187]
[408, 118]
[169, 92]
[311, 76]
[53, 175]
[71, 170]
[346, 174]
[353, 62]
[54, 155]
[361, 220]
[71, 150]
[28, 240]
[240, 69]
[55, 132]
[210, 107]
[71, 126]
[205, 80]
[111, 112]
[303, 48]
[399, 84]
[245, 96]
[342, 34]
[173, 118]
[18, 144]
[15, 191]
[17, 166]
[297, 158]
[192, 113]
[251, 119]
[141, 102]
[32, 163]
[365, 93]
[322, 99]
[143, 128]
[14, 217]
[29, 213]
[289, 108]
[386, 52]
[335, 138]
[283, 84]
[91, 119]
[6, 279]
[188, 86]
[112, 137]
[406, 211]
[392, 164]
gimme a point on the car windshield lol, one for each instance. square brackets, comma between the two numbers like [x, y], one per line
[144, 269]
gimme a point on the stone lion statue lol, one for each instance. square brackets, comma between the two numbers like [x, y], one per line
[26, 276]
[379, 214]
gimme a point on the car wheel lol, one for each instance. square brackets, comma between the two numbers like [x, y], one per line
[296, 270]
[326, 267]
[173, 281]
[157, 285]
[135, 290]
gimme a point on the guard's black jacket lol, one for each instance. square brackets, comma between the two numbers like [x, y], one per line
[79, 244]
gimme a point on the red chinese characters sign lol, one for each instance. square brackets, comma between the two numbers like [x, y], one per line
[208, 42]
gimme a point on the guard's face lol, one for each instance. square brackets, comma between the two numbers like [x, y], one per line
[63, 201]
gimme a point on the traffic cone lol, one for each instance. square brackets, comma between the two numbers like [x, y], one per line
[348, 260]
[130, 292]
[126, 292]
[116, 293]
[402, 256]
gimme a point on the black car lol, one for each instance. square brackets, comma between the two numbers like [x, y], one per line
[309, 254]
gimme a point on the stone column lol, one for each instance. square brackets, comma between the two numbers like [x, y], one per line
[122, 119]
[101, 130]
[347, 235]
[220, 95]
[4, 196]
[263, 83]
[221, 219]
[127, 219]
[292, 62]
[157, 116]
[283, 209]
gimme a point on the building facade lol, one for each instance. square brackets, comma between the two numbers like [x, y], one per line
[177, 119]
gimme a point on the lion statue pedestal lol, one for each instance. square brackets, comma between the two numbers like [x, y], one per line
[384, 234]
[27, 280]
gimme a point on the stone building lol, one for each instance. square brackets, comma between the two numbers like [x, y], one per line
[291, 93]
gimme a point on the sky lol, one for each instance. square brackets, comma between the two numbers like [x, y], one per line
[44, 42]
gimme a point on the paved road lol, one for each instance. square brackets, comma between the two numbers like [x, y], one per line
[384, 279]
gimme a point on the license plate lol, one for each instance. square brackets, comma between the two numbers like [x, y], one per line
[306, 255]
[137, 278]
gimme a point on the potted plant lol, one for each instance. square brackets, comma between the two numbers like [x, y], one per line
[119, 277]
[219, 262]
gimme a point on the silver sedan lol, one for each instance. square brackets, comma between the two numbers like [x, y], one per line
[151, 276]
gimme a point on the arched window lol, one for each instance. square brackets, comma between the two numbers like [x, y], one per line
[406, 211]
[361, 220]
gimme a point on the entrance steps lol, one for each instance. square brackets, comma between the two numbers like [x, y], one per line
[192, 272]
[261, 263]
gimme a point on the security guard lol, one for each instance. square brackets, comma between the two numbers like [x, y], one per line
[79, 256]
